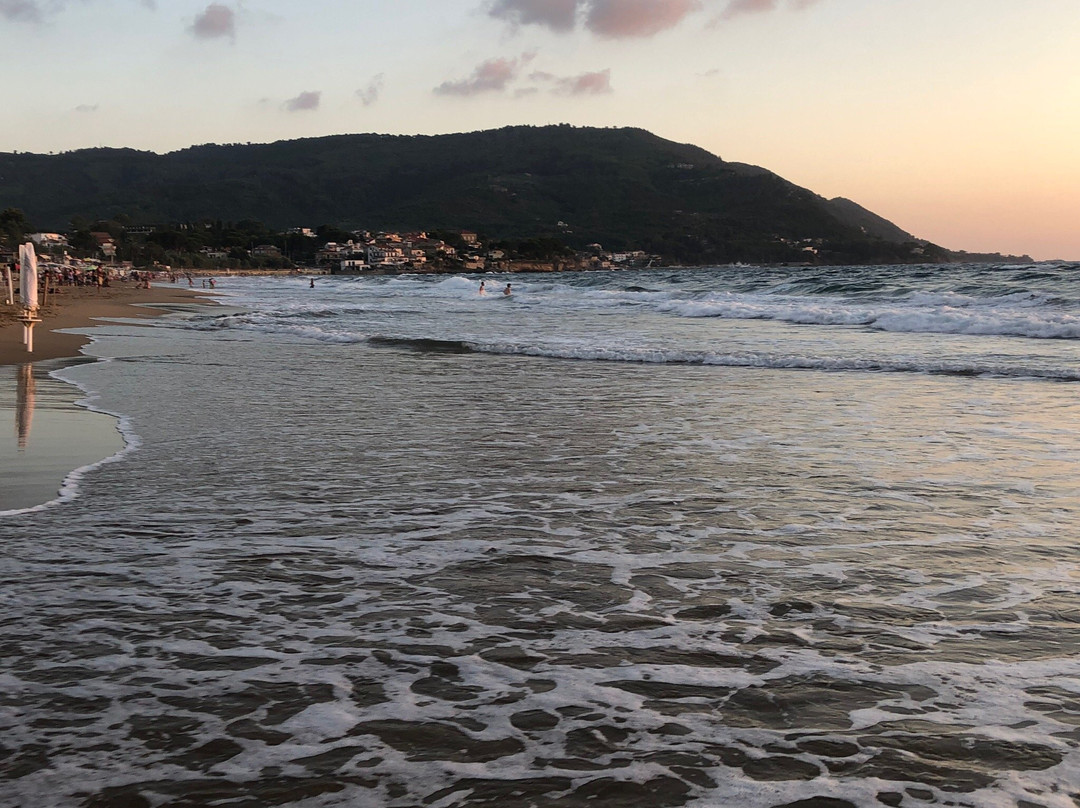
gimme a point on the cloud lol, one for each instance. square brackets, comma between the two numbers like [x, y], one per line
[35, 11]
[87, 108]
[215, 22]
[370, 94]
[305, 101]
[595, 83]
[614, 19]
[558, 15]
[494, 75]
[618, 19]
[624, 19]
[20, 10]
[598, 83]
[737, 8]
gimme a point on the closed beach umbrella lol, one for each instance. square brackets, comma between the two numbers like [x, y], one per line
[28, 277]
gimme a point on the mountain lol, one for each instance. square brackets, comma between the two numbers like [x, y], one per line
[868, 222]
[622, 188]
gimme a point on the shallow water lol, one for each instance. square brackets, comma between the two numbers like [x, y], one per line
[49, 435]
[342, 572]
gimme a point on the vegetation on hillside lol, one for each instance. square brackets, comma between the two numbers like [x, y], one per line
[622, 188]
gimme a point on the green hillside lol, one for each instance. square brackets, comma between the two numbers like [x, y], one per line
[623, 188]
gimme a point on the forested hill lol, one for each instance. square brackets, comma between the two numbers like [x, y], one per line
[622, 188]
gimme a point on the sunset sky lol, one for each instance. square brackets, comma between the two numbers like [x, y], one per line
[959, 120]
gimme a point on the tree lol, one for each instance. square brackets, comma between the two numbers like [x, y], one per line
[13, 227]
[329, 232]
[83, 241]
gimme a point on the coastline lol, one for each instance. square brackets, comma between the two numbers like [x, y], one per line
[73, 307]
[55, 439]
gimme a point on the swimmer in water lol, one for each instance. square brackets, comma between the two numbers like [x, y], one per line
[483, 291]
[507, 291]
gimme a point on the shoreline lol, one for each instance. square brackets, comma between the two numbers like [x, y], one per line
[56, 439]
[79, 307]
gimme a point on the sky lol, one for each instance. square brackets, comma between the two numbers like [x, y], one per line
[958, 120]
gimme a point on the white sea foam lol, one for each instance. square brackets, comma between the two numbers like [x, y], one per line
[651, 319]
[394, 573]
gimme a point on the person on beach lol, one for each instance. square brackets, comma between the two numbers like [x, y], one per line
[507, 291]
[483, 291]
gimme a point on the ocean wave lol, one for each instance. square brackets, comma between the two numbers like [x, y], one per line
[1013, 316]
[773, 361]
[423, 345]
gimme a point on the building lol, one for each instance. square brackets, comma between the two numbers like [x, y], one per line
[48, 240]
[386, 255]
[106, 243]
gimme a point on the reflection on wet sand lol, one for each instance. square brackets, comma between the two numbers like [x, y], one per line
[66, 436]
[25, 389]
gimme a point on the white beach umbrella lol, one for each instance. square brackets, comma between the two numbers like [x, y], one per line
[28, 278]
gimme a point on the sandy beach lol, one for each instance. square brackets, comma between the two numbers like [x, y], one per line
[77, 307]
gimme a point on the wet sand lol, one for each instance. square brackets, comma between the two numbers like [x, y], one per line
[79, 307]
[53, 436]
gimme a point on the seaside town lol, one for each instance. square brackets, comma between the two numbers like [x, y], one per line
[96, 253]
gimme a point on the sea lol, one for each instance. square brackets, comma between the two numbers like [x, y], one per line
[764, 537]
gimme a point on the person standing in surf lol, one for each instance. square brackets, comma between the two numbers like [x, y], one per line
[507, 291]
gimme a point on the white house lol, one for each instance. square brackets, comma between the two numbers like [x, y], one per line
[49, 240]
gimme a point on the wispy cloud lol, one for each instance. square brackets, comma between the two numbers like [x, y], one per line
[737, 8]
[21, 10]
[619, 19]
[494, 75]
[216, 22]
[370, 94]
[595, 83]
[86, 108]
[626, 19]
[35, 11]
[607, 18]
[305, 101]
[559, 15]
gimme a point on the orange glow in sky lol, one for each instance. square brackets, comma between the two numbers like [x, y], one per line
[956, 119]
